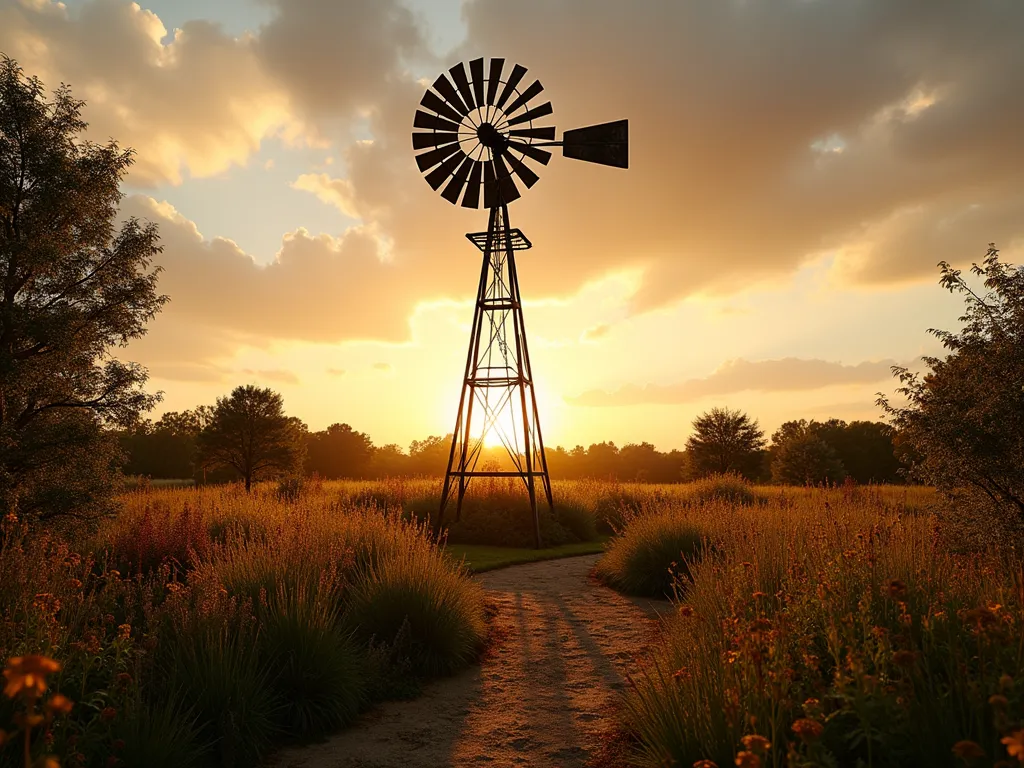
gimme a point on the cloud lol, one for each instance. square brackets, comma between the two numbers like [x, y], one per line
[787, 374]
[382, 367]
[596, 333]
[336, 371]
[281, 377]
[196, 104]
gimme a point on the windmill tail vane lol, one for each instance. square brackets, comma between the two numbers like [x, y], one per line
[480, 131]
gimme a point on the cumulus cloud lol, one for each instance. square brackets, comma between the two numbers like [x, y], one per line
[788, 374]
[197, 104]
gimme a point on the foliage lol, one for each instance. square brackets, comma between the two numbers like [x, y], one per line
[802, 457]
[232, 626]
[652, 552]
[339, 451]
[249, 432]
[725, 441]
[72, 288]
[829, 628]
[964, 419]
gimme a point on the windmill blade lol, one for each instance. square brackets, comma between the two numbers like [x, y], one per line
[453, 190]
[535, 133]
[437, 176]
[428, 160]
[458, 73]
[476, 73]
[522, 170]
[432, 139]
[540, 155]
[432, 101]
[472, 196]
[444, 86]
[433, 122]
[605, 144]
[490, 186]
[518, 72]
[507, 188]
[494, 79]
[524, 97]
[532, 114]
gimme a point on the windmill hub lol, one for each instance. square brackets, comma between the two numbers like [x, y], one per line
[491, 137]
[482, 131]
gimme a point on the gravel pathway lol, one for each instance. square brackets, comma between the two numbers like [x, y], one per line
[541, 697]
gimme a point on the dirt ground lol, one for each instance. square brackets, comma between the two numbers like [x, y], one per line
[541, 697]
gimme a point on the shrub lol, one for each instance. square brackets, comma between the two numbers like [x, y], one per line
[424, 604]
[730, 488]
[161, 735]
[651, 552]
[316, 671]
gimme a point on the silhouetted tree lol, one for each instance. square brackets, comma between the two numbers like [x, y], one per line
[723, 441]
[339, 451]
[166, 449]
[430, 455]
[865, 449]
[249, 432]
[71, 288]
[965, 417]
[801, 457]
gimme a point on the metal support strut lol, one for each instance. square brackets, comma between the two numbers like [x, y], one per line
[497, 390]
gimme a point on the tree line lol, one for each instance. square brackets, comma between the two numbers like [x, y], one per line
[247, 435]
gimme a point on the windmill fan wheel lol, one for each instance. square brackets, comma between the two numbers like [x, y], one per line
[477, 129]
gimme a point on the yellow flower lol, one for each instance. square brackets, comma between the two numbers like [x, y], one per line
[968, 750]
[1015, 744]
[756, 743]
[28, 673]
[748, 760]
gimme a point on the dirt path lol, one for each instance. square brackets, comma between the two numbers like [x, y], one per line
[540, 698]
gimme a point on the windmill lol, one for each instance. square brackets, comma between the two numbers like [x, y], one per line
[482, 131]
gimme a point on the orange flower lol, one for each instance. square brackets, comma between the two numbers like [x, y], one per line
[108, 714]
[968, 750]
[748, 760]
[685, 611]
[28, 673]
[705, 764]
[998, 701]
[807, 729]
[756, 743]
[1015, 744]
[896, 588]
[60, 704]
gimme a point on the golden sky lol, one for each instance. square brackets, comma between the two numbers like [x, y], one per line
[797, 168]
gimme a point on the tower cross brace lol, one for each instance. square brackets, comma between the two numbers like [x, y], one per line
[497, 389]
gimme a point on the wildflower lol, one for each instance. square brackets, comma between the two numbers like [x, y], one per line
[968, 750]
[685, 611]
[1015, 744]
[747, 565]
[28, 673]
[51, 762]
[760, 625]
[10, 518]
[108, 618]
[904, 658]
[705, 764]
[59, 704]
[124, 631]
[124, 679]
[756, 743]
[1005, 683]
[998, 701]
[748, 760]
[681, 674]
[807, 729]
[108, 714]
[896, 588]
[758, 595]
[75, 584]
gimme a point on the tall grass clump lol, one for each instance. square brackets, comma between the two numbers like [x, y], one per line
[652, 554]
[729, 487]
[828, 630]
[424, 606]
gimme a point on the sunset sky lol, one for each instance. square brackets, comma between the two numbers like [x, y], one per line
[797, 168]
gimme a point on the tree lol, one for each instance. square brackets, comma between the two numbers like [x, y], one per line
[71, 288]
[168, 448]
[339, 451]
[723, 441]
[249, 432]
[800, 456]
[964, 419]
[865, 448]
